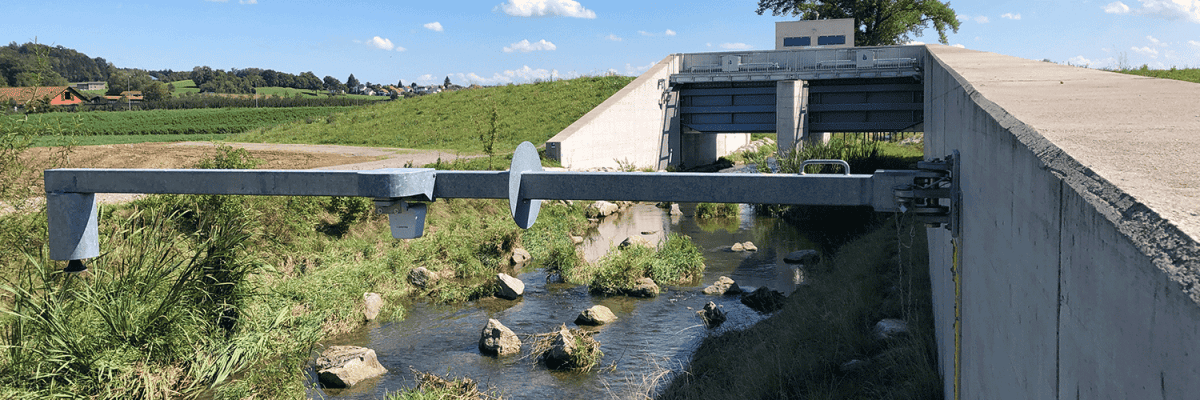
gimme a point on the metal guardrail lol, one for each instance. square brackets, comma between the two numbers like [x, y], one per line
[398, 192]
[885, 60]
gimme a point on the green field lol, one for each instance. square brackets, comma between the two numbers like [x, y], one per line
[176, 122]
[1187, 74]
[188, 86]
[184, 86]
[454, 120]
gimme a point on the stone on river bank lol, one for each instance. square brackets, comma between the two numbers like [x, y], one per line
[508, 287]
[372, 303]
[764, 300]
[344, 366]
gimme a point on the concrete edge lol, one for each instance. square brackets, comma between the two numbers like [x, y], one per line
[611, 101]
[1174, 252]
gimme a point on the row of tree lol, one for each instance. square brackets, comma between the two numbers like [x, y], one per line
[20, 64]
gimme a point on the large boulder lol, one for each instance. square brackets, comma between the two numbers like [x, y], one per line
[635, 240]
[749, 246]
[764, 300]
[520, 256]
[644, 287]
[675, 209]
[497, 339]
[577, 239]
[601, 209]
[737, 247]
[802, 257]
[712, 315]
[344, 366]
[372, 303]
[509, 287]
[723, 286]
[597, 315]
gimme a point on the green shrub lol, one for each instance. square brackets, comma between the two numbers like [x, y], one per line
[716, 210]
[676, 261]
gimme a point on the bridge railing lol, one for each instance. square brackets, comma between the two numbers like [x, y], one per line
[875, 59]
[401, 192]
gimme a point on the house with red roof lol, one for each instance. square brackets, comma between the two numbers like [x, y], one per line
[56, 95]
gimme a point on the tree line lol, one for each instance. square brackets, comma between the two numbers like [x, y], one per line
[19, 65]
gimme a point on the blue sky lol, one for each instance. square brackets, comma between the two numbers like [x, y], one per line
[501, 41]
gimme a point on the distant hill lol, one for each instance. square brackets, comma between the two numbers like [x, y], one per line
[17, 63]
[456, 120]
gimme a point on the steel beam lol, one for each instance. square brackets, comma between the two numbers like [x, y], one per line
[72, 215]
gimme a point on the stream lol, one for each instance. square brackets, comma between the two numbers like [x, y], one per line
[649, 337]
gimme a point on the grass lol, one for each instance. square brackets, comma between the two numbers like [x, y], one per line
[205, 121]
[799, 351]
[1182, 74]
[456, 120]
[676, 261]
[716, 210]
[433, 387]
[184, 86]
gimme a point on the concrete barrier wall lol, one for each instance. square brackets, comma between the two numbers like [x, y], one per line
[628, 127]
[1081, 212]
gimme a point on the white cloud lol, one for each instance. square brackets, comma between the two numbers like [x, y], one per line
[1116, 7]
[1146, 50]
[736, 46]
[708, 44]
[631, 70]
[958, 46]
[524, 74]
[247, 1]
[1156, 42]
[1165, 9]
[1172, 9]
[434, 26]
[613, 37]
[983, 19]
[1079, 60]
[667, 33]
[383, 44]
[524, 46]
[425, 79]
[1194, 43]
[915, 42]
[962, 17]
[1011, 16]
[542, 8]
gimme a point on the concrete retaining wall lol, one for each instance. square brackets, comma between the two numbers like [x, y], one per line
[1081, 212]
[628, 127]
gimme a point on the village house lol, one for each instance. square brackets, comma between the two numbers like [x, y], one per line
[91, 85]
[17, 97]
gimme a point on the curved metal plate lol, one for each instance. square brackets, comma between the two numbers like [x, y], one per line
[524, 210]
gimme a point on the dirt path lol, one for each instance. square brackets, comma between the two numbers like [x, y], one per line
[274, 156]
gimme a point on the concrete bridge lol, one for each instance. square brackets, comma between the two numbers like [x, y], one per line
[1077, 271]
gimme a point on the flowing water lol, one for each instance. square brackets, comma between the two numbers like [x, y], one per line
[650, 335]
